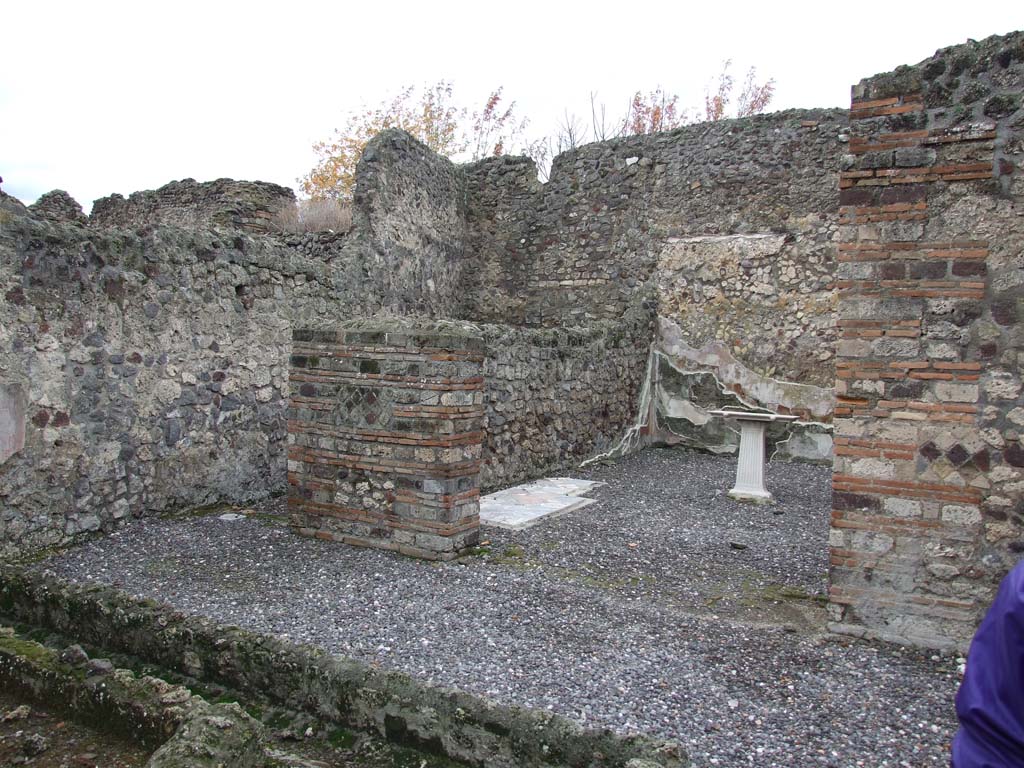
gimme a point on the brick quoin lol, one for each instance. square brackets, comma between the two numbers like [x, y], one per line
[926, 501]
[385, 435]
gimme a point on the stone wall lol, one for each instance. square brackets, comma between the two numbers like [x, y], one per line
[153, 370]
[248, 205]
[555, 397]
[385, 429]
[146, 370]
[579, 247]
[928, 485]
[730, 227]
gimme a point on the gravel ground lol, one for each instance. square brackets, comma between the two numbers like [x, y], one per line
[634, 613]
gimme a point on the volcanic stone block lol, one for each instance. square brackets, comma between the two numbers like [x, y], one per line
[385, 431]
[12, 421]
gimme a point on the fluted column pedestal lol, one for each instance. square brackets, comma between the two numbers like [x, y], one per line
[750, 466]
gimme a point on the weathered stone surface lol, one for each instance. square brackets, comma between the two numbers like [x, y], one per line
[764, 297]
[583, 245]
[555, 397]
[727, 240]
[184, 729]
[217, 736]
[154, 362]
[58, 205]
[12, 421]
[247, 205]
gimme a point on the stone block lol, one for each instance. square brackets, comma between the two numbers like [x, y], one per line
[961, 515]
[952, 392]
[12, 420]
[910, 157]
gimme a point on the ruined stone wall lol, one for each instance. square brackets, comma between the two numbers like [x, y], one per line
[147, 370]
[409, 225]
[248, 205]
[929, 492]
[555, 397]
[731, 226]
[151, 367]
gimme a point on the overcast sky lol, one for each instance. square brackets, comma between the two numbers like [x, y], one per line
[100, 97]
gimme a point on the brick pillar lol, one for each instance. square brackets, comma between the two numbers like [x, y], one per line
[920, 422]
[385, 436]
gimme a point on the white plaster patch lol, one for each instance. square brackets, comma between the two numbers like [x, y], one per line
[761, 390]
[678, 408]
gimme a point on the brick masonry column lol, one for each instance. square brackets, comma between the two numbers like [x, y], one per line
[927, 509]
[385, 430]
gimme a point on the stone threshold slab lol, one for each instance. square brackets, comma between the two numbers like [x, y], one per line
[526, 505]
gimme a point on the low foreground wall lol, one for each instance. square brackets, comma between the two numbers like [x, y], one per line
[343, 691]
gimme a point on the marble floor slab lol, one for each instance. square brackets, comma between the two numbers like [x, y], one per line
[527, 504]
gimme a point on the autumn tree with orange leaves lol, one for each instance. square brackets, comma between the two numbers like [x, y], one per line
[652, 113]
[432, 117]
[754, 98]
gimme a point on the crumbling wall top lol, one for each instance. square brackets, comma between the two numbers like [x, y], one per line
[248, 205]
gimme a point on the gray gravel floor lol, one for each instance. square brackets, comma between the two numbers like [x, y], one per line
[633, 613]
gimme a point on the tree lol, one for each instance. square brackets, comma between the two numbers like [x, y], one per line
[431, 116]
[754, 97]
[659, 110]
[653, 113]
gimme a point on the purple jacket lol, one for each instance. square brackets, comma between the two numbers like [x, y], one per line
[990, 703]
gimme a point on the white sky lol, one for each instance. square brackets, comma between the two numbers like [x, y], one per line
[101, 97]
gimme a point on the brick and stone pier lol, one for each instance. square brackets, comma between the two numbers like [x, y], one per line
[385, 430]
[927, 491]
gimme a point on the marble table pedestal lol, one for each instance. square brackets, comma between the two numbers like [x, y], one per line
[750, 467]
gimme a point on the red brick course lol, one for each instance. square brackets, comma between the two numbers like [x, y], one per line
[386, 435]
